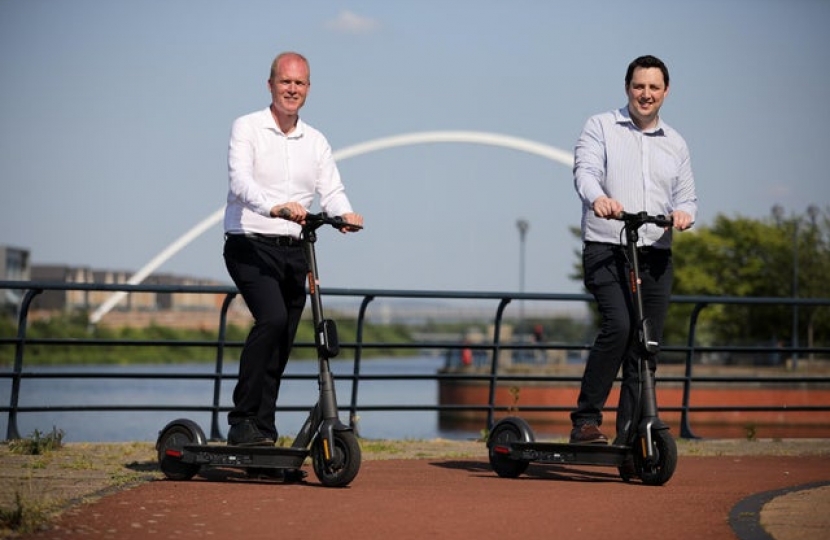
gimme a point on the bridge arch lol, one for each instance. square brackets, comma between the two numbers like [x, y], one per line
[407, 139]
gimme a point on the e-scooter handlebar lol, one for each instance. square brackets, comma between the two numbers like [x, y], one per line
[324, 219]
[638, 219]
[315, 221]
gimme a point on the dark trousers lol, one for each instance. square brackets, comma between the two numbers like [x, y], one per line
[606, 277]
[271, 279]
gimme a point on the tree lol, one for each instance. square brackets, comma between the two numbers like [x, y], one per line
[758, 258]
[747, 257]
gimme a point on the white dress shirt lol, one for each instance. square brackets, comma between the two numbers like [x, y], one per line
[266, 167]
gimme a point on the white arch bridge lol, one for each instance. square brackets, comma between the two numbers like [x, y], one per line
[408, 139]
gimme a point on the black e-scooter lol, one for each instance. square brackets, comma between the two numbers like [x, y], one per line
[511, 443]
[333, 446]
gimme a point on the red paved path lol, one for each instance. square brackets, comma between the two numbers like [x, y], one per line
[445, 499]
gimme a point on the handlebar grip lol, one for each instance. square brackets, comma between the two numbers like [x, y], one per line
[315, 220]
[664, 221]
[641, 218]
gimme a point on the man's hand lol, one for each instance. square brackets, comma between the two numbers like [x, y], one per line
[606, 207]
[352, 219]
[682, 220]
[291, 211]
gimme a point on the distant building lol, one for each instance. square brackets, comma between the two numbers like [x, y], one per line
[15, 266]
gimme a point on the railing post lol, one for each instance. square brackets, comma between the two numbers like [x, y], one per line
[685, 428]
[215, 432]
[494, 365]
[361, 317]
[22, 322]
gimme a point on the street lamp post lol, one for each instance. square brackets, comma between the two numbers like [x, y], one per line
[523, 225]
[795, 293]
[812, 213]
[778, 214]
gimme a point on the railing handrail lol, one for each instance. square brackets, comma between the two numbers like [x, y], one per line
[494, 347]
[402, 293]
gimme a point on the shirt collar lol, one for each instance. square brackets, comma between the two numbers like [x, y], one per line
[267, 122]
[622, 116]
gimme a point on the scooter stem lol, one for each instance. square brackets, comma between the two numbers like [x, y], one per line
[649, 421]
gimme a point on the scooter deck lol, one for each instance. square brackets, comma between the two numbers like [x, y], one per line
[277, 457]
[565, 453]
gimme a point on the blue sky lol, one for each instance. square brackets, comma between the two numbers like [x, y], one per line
[114, 121]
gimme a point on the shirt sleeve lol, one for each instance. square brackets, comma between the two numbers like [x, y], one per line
[589, 162]
[333, 199]
[241, 168]
[684, 195]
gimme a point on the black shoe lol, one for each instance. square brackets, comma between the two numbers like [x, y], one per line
[245, 433]
[588, 434]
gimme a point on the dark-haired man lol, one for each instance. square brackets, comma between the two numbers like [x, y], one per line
[627, 160]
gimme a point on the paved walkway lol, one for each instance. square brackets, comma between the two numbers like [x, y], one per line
[799, 513]
[724, 497]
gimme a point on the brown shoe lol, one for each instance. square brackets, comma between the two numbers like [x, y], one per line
[588, 434]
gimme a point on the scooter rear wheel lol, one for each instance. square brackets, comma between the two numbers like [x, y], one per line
[344, 464]
[658, 471]
[170, 444]
[505, 432]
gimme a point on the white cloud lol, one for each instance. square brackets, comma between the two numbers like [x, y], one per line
[351, 23]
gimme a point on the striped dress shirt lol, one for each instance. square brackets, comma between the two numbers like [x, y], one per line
[643, 170]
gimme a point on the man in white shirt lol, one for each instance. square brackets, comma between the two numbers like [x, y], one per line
[276, 163]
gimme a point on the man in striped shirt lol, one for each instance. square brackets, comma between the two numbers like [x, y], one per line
[627, 160]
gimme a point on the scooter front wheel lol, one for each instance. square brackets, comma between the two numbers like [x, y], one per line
[658, 471]
[343, 463]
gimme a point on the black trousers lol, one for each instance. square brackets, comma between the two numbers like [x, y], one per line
[271, 279]
[606, 277]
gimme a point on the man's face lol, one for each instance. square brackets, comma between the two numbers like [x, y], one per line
[645, 96]
[289, 86]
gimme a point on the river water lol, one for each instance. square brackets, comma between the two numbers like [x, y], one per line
[122, 426]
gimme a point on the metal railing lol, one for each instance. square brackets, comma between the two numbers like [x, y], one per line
[493, 348]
